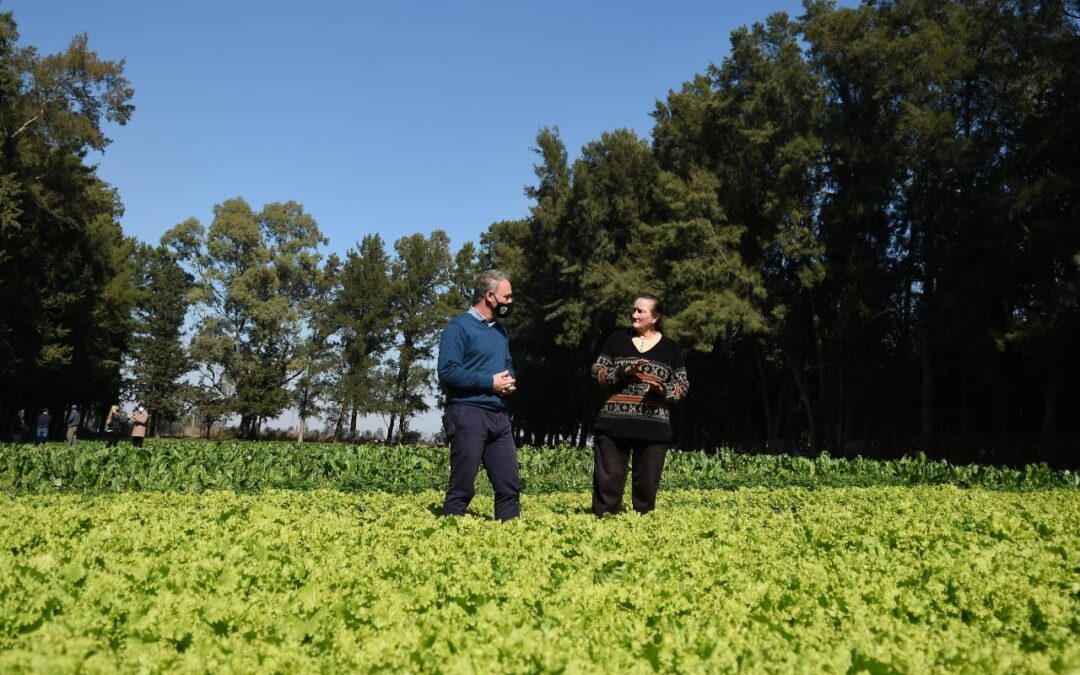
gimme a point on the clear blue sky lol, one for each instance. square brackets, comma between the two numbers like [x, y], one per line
[389, 117]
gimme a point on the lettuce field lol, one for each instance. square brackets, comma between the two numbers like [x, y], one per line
[333, 558]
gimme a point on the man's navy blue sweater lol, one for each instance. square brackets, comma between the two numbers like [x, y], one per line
[470, 354]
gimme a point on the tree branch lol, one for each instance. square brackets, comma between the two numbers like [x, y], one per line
[26, 124]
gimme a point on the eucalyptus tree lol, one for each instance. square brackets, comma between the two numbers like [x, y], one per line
[420, 304]
[258, 280]
[948, 131]
[864, 313]
[312, 392]
[573, 277]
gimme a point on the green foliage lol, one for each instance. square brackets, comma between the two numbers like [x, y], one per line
[467, 267]
[422, 299]
[317, 360]
[862, 221]
[63, 98]
[929, 579]
[363, 328]
[242, 465]
[259, 284]
[66, 273]
[158, 357]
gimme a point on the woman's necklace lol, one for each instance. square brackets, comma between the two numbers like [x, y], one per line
[640, 341]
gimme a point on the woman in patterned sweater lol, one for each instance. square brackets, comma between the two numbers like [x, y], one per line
[644, 373]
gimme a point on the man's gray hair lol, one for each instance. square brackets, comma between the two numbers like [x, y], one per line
[488, 281]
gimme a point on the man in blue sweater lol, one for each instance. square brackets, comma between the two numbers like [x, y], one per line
[476, 373]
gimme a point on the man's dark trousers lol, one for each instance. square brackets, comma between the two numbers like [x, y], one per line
[481, 436]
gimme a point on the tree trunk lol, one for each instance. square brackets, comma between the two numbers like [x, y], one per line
[300, 431]
[804, 396]
[338, 424]
[405, 359]
[1051, 391]
[965, 394]
[763, 390]
[841, 404]
[927, 407]
[823, 402]
[583, 428]
[927, 316]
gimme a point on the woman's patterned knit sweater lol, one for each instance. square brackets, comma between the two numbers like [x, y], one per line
[630, 409]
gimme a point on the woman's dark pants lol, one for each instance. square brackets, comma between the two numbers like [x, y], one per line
[613, 455]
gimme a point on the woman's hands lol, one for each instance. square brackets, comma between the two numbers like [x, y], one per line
[635, 371]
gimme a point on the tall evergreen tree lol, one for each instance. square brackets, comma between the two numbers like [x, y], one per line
[420, 292]
[66, 286]
[158, 357]
[859, 221]
[364, 324]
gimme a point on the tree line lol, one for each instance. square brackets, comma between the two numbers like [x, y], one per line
[863, 222]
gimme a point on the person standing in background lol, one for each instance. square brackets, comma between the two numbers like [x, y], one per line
[43, 425]
[114, 425]
[72, 424]
[19, 429]
[138, 425]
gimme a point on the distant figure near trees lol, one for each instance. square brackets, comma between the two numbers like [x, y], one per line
[43, 425]
[72, 424]
[114, 425]
[138, 425]
[19, 428]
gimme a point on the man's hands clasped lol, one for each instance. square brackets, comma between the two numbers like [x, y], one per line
[503, 383]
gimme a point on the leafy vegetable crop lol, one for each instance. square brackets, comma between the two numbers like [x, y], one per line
[198, 465]
[882, 579]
